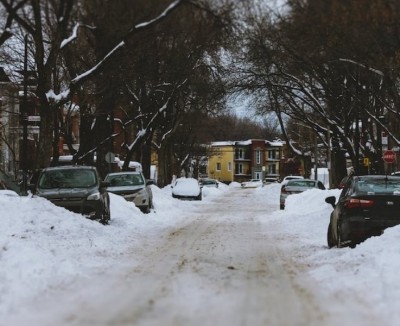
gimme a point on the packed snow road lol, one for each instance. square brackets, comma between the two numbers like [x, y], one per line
[226, 262]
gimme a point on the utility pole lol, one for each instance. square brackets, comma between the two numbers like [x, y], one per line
[24, 116]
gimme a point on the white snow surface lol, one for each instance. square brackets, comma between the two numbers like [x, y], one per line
[44, 248]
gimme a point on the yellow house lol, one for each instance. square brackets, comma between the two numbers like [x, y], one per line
[221, 161]
[243, 160]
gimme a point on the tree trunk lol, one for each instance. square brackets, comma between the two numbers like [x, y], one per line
[146, 159]
[164, 165]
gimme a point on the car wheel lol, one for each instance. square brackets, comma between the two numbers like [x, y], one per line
[331, 242]
[145, 209]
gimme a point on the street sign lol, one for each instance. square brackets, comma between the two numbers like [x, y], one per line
[110, 157]
[389, 156]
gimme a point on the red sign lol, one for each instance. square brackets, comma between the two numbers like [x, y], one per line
[389, 156]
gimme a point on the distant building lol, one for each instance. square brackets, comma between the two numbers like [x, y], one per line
[243, 160]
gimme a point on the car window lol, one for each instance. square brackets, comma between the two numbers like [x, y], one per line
[123, 180]
[378, 186]
[301, 183]
[74, 178]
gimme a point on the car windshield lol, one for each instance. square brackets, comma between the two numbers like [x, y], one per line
[379, 186]
[124, 180]
[68, 178]
[208, 182]
[301, 183]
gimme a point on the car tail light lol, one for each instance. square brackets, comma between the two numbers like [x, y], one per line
[359, 203]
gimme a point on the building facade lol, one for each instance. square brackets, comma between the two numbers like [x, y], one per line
[243, 160]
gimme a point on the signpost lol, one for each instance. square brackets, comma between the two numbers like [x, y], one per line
[389, 156]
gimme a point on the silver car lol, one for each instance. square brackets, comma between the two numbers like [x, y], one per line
[296, 186]
[133, 187]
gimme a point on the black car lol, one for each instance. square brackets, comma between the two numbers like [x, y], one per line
[76, 188]
[366, 206]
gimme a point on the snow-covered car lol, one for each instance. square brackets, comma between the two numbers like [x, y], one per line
[253, 183]
[132, 186]
[76, 188]
[208, 183]
[296, 186]
[8, 193]
[186, 188]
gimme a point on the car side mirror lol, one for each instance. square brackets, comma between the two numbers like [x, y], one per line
[104, 184]
[331, 200]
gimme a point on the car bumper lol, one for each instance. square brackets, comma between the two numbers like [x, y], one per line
[359, 227]
[89, 208]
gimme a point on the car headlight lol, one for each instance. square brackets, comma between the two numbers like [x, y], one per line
[95, 196]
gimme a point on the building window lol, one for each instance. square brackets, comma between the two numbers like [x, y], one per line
[272, 169]
[229, 166]
[239, 153]
[218, 167]
[258, 157]
[272, 154]
[239, 169]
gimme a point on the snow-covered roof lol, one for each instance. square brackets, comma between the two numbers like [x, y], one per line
[248, 142]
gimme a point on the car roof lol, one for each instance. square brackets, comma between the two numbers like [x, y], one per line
[293, 177]
[67, 167]
[376, 177]
[124, 172]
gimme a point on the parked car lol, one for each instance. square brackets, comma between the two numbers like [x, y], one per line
[253, 183]
[133, 187]
[208, 183]
[269, 180]
[76, 188]
[366, 206]
[291, 177]
[186, 188]
[296, 186]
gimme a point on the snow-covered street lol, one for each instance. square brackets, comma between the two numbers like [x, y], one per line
[232, 259]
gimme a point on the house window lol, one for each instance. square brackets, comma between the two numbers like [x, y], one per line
[218, 166]
[258, 157]
[239, 153]
[239, 169]
[272, 154]
[271, 169]
[229, 166]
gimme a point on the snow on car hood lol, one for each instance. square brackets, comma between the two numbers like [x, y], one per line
[186, 187]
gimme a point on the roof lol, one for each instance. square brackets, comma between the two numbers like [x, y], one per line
[275, 143]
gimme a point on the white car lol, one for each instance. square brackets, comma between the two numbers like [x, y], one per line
[133, 187]
[290, 177]
[253, 183]
[186, 188]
